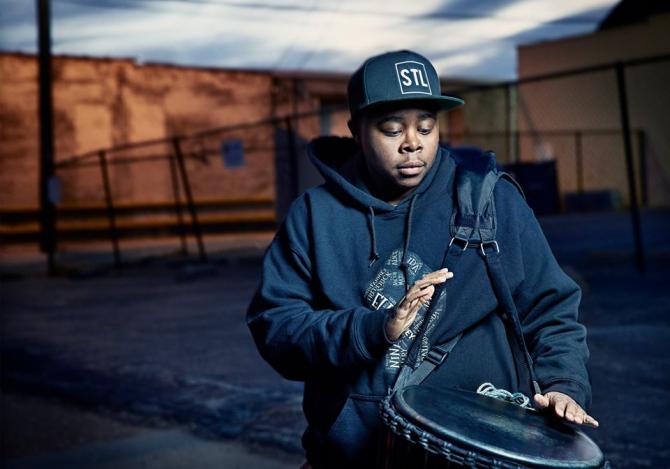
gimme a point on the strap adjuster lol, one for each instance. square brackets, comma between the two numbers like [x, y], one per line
[436, 356]
[459, 241]
[494, 243]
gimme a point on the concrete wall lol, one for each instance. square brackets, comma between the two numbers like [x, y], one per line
[589, 103]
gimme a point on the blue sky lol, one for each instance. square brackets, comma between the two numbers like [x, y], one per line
[464, 38]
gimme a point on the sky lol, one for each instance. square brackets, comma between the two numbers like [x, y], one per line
[465, 39]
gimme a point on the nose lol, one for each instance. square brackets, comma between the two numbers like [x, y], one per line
[412, 142]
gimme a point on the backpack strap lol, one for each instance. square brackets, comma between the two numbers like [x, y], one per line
[473, 225]
[474, 213]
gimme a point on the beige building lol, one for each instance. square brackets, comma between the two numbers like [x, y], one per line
[578, 116]
[107, 103]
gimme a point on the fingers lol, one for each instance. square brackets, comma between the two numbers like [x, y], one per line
[565, 407]
[588, 420]
[425, 285]
[541, 401]
[559, 406]
[405, 308]
[422, 295]
[438, 276]
[572, 412]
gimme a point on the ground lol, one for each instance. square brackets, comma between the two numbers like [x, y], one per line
[152, 365]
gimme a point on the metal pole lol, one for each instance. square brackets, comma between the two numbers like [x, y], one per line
[642, 150]
[508, 123]
[628, 148]
[111, 214]
[580, 166]
[293, 160]
[189, 198]
[517, 146]
[177, 205]
[47, 207]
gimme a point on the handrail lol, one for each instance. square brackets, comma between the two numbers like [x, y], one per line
[195, 135]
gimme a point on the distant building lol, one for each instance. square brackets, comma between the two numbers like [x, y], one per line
[106, 103]
[577, 117]
[103, 103]
[243, 164]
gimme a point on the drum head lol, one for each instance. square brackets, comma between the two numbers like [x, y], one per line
[497, 428]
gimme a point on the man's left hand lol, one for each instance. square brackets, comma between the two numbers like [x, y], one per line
[565, 407]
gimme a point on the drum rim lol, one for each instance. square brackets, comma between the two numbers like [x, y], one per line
[467, 445]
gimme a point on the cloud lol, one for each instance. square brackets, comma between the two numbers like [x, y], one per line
[464, 38]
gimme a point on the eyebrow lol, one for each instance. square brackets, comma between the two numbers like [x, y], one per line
[399, 119]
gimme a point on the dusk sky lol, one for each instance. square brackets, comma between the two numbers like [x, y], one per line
[465, 39]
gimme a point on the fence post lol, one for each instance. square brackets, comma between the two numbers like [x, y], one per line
[517, 145]
[508, 124]
[111, 213]
[579, 166]
[632, 190]
[181, 229]
[642, 150]
[189, 198]
[293, 159]
[48, 230]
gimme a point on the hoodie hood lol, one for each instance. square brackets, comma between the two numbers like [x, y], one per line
[339, 161]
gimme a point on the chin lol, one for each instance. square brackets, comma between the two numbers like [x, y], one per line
[410, 181]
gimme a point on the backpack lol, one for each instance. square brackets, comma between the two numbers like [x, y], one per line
[473, 225]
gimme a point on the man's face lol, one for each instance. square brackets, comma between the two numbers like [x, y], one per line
[399, 148]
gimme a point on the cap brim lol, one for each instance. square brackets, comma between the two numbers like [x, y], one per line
[443, 103]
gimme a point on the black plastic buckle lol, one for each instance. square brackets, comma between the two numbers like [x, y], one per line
[436, 356]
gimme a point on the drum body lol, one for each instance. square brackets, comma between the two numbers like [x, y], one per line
[432, 428]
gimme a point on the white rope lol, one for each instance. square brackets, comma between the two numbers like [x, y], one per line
[488, 389]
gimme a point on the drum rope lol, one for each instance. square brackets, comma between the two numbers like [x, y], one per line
[520, 399]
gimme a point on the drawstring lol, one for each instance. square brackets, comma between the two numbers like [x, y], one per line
[405, 249]
[374, 255]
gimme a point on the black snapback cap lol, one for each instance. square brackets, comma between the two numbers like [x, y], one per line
[396, 76]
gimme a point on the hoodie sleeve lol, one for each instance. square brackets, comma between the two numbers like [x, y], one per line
[291, 334]
[548, 302]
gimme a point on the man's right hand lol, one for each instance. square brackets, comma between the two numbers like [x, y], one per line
[404, 313]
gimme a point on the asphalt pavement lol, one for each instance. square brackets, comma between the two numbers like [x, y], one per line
[154, 363]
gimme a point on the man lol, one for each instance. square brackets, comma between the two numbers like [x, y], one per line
[349, 276]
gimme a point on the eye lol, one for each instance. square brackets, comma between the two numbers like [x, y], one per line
[391, 131]
[425, 130]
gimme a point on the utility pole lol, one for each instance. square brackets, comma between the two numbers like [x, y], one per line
[630, 168]
[48, 184]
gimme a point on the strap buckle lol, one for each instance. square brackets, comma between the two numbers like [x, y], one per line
[459, 241]
[494, 243]
[436, 356]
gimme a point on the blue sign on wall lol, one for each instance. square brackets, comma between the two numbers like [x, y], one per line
[232, 152]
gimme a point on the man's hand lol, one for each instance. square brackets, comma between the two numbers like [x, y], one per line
[402, 316]
[565, 407]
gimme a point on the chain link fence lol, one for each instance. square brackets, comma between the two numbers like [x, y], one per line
[578, 140]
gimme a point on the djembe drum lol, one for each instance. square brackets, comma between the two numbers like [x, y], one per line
[432, 428]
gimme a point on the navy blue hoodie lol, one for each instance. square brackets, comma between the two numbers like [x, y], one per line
[342, 257]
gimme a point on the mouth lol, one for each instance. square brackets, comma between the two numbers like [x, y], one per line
[411, 169]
